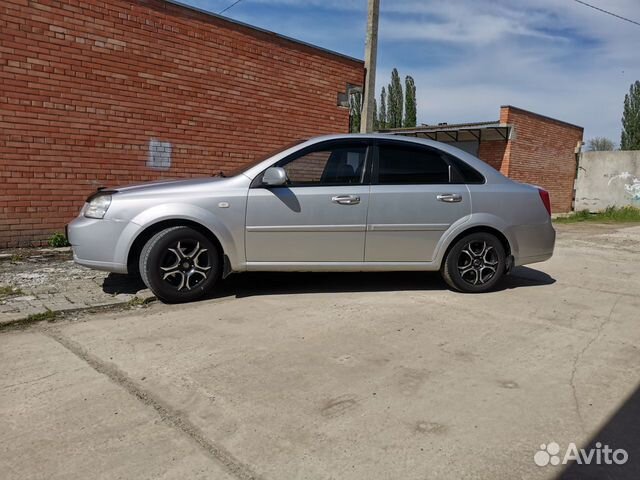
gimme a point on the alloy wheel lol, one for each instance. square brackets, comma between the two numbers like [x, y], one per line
[185, 265]
[477, 262]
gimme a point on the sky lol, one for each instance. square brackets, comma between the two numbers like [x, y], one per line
[554, 57]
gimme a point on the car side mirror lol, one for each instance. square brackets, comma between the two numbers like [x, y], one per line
[274, 176]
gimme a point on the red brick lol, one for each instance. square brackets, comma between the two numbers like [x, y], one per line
[543, 153]
[87, 84]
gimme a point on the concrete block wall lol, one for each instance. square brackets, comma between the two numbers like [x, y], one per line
[108, 92]
[608, 179]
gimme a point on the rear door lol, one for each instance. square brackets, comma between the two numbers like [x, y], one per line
[320, 215]
[413, 201]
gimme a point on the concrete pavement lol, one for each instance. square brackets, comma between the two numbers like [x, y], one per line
[45, 282]
[329, 376]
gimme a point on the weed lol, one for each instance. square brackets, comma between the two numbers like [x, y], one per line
[58, 240]
[48, 315]
[8, 291]
[138, 302]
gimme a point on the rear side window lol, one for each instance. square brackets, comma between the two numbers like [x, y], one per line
[464, 173]
[401, 164]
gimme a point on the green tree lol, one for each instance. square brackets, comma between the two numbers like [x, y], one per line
[376, 122]
[396, 100]
[630, 138]
[355, 111]
[410, 104]
[600, 144]
[382, 117]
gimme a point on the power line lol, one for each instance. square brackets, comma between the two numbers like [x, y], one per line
[228, 7]
[607, 12]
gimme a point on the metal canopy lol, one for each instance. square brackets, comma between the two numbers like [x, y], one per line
[462, 132]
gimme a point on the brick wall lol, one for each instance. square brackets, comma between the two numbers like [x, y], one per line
[493, 152]
[543, 153]
[89, 85]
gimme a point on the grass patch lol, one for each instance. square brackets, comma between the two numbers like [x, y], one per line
[9, 291]
[48, 315]
[58, 240]
[138, 302]
[16, 257]
[611, 215]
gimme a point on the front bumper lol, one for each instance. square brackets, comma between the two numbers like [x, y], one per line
[95, 243]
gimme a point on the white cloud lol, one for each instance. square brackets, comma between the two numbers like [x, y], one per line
[556, 58]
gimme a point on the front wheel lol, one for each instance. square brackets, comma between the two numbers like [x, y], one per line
[475, 263]
[179, 264]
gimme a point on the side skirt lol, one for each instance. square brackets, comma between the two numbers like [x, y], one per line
[340, 266]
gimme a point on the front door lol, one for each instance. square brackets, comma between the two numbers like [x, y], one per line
[319, 215]
[413, 202]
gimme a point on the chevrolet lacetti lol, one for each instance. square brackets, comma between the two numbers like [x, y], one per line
[333, 203]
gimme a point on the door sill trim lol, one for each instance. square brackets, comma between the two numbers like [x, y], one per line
[408, 227]
[306, 228]
[339, 266]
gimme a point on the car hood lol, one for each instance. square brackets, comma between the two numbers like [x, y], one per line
[179, 187]
[165, 184]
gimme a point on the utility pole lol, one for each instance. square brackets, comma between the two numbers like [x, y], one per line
[370, 54]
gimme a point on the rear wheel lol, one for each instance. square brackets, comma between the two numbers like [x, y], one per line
[179, 264]
[475, 263]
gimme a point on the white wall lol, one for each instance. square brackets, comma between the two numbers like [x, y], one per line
[608, 179]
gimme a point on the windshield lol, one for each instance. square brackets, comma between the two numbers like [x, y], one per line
[247, 166]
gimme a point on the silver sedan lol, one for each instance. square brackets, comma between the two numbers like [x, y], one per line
[332, 203]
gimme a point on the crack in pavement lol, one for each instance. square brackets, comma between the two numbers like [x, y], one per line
[168, 414]
[579, 356]
[35, 380]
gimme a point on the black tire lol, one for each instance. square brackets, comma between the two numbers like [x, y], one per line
[475, 263]
[179, 264]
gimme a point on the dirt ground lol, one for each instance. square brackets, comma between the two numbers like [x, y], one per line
[340, 376]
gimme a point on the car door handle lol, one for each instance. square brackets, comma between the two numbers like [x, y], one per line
[346, 199]
[449, 197]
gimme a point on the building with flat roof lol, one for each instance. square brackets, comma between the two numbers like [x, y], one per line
[523, 145]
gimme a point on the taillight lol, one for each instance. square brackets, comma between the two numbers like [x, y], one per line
[544, 196]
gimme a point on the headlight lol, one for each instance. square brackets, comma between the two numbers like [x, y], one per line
[97, 206]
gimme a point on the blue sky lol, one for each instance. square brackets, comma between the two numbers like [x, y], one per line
[468, 57]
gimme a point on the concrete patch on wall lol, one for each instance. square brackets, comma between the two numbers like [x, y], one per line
[608, 179]
[159, 155]
[631, 184]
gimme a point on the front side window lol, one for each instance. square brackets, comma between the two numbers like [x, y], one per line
[405, 164]
[243, 168]
[337, 165]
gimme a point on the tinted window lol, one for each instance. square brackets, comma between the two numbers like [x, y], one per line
[338, 165]
[399, 164]
[261, 158]
[466, 173]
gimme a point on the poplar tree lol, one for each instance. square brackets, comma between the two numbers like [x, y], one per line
[376, 122]
[410, 104]
[630, 138]
[355, 111]
[382, 118]
[396, 100]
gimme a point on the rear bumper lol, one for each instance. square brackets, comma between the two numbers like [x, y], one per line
[94, 243]
[534, 259]
[535, 243]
